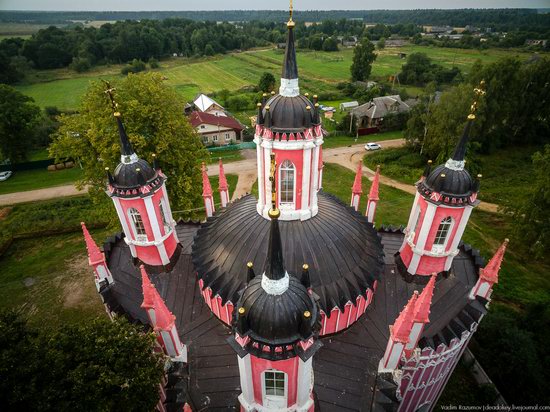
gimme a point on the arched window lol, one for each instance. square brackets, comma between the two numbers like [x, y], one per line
[274, 384]
[442, 234]
[137, 222]
[287, 174]
[164, 216]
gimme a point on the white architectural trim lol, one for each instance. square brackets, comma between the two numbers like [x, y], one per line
[414, 335]
[153, 221]
[247, 387]
[422, 237]
[306, 176]
[133, 158]
[275, 400]
[305, 383]
[458, 235]
[289, 88]
[125, 227]
[455, 164]
[412, 219]
[259, 164]
[275, 287]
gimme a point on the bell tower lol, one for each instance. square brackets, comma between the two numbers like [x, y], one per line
[444, 200]
[139, 194]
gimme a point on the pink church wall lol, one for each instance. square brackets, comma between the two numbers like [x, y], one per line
[297, 158]
[289, 366]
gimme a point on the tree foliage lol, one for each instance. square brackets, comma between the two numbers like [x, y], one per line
[153, 118]
[94, 366]
[363, 57]
[267, 82]
[420, 70]
[19, 117]
[532, 221]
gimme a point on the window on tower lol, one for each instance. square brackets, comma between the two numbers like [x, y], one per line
[274, 382]
[287, 174]
[137, 222]
[442, 234]
[164, 216]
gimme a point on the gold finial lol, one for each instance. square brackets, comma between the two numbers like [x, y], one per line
[249, 265]
[308, 108]
[290, 23]
[305, 266]
[478, 92]
[273, 213]
[258, 104]
[242, 310]
[110, 92]
[273, 92]
[479, 176]
[106, 169]
[443, 174]
[307, 314]
[430, 162]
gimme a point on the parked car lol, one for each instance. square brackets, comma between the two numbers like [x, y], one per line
[372, 146]
[5, 175]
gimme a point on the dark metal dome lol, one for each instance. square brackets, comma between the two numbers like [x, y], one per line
[277, 319]
[128, 176]
[456, 183]
[289, 114]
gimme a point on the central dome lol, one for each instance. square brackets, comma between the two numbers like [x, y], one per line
[289, 114]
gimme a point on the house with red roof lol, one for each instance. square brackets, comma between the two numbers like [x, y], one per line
[216, 130]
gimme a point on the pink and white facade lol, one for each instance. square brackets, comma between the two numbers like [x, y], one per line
[298, 165]
[146, 219]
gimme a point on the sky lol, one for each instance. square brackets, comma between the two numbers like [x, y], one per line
[137, 5]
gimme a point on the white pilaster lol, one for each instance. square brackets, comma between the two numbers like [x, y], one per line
[306, 175]
[371, 210]
[390, 360]
[246, 398]
[458, 235]
[153, 221]
[355, 201]
[423, 236]
[414, 336]
[122, 217]
[260, 165]
[412, 215]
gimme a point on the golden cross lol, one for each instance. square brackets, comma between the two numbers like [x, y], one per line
[272, 180]
[478, 92]
[109, 92]
[290, 11]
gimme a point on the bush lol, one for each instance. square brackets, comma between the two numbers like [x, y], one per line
[135, 67]
[80, 64]
[153, 63]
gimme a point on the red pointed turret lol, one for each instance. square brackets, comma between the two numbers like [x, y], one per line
[424, 302]
[373, 196]
[357, 189]
[223, 187]
[490, 271]
[94, 253]
[165, 320]
[149, 290]
[207, 193]
[96, 259]
[402, 326]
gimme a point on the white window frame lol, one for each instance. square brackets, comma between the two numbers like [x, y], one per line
[278, 401]
[164, 217]
[215, 138]
[227, 137]
[203, 126]
[445, 227]
[205, 139]
[138, 226]
[287, 165]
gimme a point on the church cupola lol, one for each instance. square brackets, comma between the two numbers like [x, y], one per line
[290, 128]
[139, 194]
[443, 203]
[275, 335]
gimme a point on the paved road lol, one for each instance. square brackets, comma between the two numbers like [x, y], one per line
[347, 156]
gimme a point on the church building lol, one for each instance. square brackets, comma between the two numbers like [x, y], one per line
[296, 301]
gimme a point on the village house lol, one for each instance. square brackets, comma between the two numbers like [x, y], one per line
[371, 114]
[216, 129]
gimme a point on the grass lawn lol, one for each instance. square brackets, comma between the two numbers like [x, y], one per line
[227, 156]
[339, 141]
[319, 71]
[39, 179]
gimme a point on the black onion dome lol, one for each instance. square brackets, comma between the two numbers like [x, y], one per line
[451, 184]
[342, 249]
[128, 176]
[277, 320]
[289, 114]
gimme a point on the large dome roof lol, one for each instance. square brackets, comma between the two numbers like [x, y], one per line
[450, 183]
[289, 114]
[130, 175]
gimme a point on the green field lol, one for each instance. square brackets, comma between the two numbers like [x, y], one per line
[39, 179]
[319, 71]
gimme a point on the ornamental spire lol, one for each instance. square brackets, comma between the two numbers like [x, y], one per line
[289, 77]
[424, 302]
[357, 188]
[126, 149]
[148, 289]
[460, 150]
[223, 180]
[373, 193]
[275, 266]
[94, 253]
[206, 187]
[402, 326]
[490, 271]
[164, 319]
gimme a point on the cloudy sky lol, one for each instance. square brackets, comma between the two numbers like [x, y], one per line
[261, 4]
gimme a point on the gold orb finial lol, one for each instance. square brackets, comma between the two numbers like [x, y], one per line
[307, 314]
[242, 310]
[305, 266]
[250, 265]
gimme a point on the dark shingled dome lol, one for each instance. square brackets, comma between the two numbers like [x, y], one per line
[456, 183]
[277, 319]
[127, 176]
[288, 114]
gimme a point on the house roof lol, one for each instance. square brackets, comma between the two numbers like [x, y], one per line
[198, 118]
[203, 102]
[349, 104]
[381, 106]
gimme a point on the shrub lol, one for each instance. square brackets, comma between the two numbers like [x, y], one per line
[80, 64]
[153, 63]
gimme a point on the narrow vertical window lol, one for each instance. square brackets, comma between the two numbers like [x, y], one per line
[137, 222]
[287, 177]
[274, 382]
[164, 217]
[442, 234]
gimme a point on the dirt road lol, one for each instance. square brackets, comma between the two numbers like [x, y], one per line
[347, 156]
